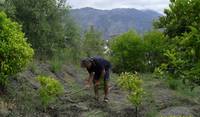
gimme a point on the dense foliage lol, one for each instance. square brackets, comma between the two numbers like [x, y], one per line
[154, 42]
[49, 90]
[93, 43]
[181, 26]
[127, 52]
[47, 24]
[133, 84]
[15, 52]
[131, 52]
[179, 17]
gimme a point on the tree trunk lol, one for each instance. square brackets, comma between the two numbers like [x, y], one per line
[2, 89]
[136, 111]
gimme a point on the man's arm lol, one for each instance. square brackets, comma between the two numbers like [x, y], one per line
[89, 80]
[91, 76]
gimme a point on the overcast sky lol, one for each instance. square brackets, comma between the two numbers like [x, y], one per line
[156, 5]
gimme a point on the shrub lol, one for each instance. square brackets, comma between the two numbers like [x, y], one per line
[133, 84]
[154, 47]
[173, 83]
[15, 52]
[182, 40]
[49, 90]
[127, 52]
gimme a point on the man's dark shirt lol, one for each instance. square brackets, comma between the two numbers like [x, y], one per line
[98, 65]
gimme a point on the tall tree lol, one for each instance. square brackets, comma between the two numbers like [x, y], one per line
[154, 44]
[179, 17]
[127, 52]
[93, 45]
[44, 23]
[181, 25]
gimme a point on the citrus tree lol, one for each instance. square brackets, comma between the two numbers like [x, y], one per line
[15, 52]
[133, 84]
[181, 25]
[49, 90]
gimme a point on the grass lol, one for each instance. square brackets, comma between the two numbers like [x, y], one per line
[148, 85]
[23, 97]
[152, 111]
[75, 87]
[63, 56]
[177, 86]
[187, 92]
[174, 83]
[34, 68]
[95, 113]
[56, 64]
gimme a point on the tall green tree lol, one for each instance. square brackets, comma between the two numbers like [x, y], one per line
[93, 44]
[154, 42]
[181, 26]
[1, 4]
[45, 22]
[127, 52]
[179, 17]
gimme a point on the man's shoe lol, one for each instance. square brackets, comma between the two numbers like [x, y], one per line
[106, 99]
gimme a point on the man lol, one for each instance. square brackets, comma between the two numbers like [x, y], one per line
[97, 68]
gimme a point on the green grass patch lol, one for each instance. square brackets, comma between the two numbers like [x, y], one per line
[56, 64]
[34, 68]
[63, 56]
[186, 91]
[174, 83]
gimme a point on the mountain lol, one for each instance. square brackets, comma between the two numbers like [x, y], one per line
[116, 21]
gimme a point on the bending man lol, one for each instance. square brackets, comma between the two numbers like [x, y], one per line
[97, 68]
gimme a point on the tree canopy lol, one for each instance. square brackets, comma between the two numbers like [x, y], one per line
[181, 25]
[181, 15]
[15, 52]
[46, 23]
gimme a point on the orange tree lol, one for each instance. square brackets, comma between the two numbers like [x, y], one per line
[15, 52]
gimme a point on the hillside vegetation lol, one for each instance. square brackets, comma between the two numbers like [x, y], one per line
[156, 74]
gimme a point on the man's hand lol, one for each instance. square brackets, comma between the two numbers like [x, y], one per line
[87, 84]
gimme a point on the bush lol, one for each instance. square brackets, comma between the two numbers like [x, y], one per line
[15, 52]
[173, 83]
[154, 47]
[183, 40]
[127, 52]
[49, 90]
[133, 84]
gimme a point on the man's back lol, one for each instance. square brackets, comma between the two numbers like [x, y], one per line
[101, 62]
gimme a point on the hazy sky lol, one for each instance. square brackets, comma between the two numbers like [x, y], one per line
[156, 5]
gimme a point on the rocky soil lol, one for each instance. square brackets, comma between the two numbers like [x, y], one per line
[21, 99]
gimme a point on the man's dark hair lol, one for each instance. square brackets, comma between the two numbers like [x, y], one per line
[85, 61]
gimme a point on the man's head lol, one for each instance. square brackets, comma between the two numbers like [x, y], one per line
[86, 63]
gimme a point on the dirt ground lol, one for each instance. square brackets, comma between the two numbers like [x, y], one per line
[21, 99]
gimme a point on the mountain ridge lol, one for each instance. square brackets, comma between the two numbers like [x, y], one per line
[115, 21]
